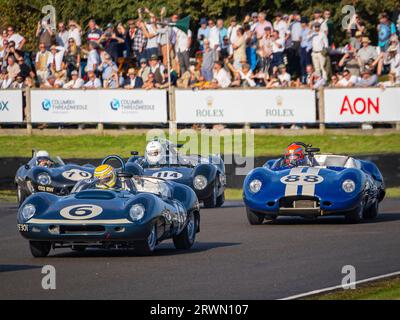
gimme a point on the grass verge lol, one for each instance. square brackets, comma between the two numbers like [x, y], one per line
[89, 146]
[388, 289]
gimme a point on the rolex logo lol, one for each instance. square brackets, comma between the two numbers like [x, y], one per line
[279, 101]
[209, 101]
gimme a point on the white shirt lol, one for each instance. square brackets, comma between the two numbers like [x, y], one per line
[285, 77]
[62, 39]
[345, 83]
[232, 34]
[6, 83]
[319, 41]
[247, 77]
[281, 27]
[58, 58]
[276, 48]
[214, 37]
[93, 59]
[222, 77]
[95, 84]
[76, 35]
[16, 38]
[74, 84]
[182, 40]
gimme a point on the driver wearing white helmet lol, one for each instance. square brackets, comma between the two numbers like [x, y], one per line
[43, 159]
[155, 152]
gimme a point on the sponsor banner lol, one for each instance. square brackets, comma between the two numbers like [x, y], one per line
[11, 106]
[94, 106]
[241, 106]
[362, 105]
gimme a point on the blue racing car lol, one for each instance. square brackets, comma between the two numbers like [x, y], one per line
[111, 210]
[303, 183]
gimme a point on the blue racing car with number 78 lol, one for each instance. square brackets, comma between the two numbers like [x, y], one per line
[306, 184]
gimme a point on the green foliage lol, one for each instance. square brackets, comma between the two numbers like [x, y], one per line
[24, 15]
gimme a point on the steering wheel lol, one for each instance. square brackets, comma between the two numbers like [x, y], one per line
[115, 157]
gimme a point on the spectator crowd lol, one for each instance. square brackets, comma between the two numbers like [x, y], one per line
[289, 51]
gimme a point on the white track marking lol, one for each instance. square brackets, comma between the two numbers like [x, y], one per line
[314, 292]
[78, 222]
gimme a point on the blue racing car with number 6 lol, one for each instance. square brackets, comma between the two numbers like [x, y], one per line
[111, 210]
[303, 183]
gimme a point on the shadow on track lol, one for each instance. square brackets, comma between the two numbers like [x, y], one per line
[331, 220]
[165, 249]
[17, 267]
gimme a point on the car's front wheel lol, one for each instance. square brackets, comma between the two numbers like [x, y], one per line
[254, 218]
[354, 216]
[146, 247]
[186, 238]
[372, 211]
[211, 201]
[221, 200]
[40, 249]
[21, 195]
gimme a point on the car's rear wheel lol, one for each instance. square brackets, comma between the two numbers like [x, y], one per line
[372, 211]
[21, 195]
[186, 238]
[354, 216]
[146, 247]
[254, 218]
[40, 249]
[211, 201]
[221, 199]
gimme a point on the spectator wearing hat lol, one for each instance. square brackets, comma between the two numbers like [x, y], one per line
[366, 52]
[144, 69]
[203, 33]
[385, 29]
[55, 60]
[75, 32]
[319, 44]
[390, 59]
[156, 68]
[75, 83]
[133, 81]
[253, 20]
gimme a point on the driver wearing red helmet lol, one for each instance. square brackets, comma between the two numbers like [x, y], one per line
[294, 156]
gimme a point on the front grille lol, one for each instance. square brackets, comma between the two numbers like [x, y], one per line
[299, 202]
[94, 229]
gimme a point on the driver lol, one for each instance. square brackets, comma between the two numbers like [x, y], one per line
[155, 151]
[107, 178]
[294, 156]
[43, 159]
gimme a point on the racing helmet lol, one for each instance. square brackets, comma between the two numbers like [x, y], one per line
[106, 176]
[294, 155]
[154, 152]
[43, 158]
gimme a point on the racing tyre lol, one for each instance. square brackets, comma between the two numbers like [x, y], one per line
[40, 249]
[21, 195]
[186, 238]
[211, 201]
[254, 218]
[220, 200]
[146, 247]
[354, 216]
[371, 212]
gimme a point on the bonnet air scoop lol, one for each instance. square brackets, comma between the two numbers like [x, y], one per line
[95, 194]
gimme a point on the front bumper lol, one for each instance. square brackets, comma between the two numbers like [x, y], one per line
[80, 232]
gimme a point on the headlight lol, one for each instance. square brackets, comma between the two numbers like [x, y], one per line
[200, 182]
[28, 211]
[255, 185]
[136, 212]
[348, 185]
[44, 179]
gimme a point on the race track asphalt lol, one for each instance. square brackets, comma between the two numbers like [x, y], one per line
[230, 260]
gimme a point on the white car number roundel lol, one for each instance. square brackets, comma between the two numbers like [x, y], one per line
[76, 175]
[302, 179]
[81, 212]
[168, 175]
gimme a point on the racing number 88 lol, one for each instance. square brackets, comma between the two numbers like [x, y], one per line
[307, 178]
